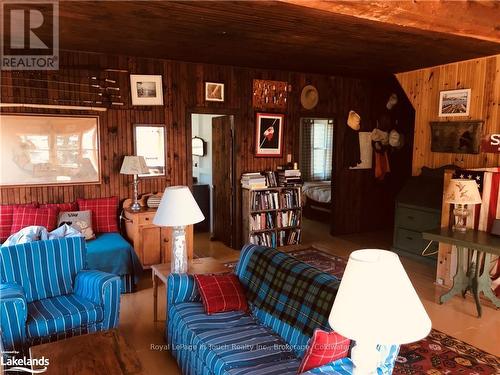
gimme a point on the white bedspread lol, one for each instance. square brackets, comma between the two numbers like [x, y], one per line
[39, 233]
[320, 191]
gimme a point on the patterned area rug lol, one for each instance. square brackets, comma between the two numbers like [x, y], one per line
[437, 354]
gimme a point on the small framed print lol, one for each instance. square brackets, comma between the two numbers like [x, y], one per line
[454, 103]
[214, 92]
[269, 134]
[146, 89]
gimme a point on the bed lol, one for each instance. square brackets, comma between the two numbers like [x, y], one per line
[317, 199]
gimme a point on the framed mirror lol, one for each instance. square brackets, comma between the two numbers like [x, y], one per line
[199, 146]
[149, 142]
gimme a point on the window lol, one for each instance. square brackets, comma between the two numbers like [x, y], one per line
[316, 151]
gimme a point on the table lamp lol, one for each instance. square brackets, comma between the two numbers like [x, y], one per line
[134, 165]
[377, 304]
[177, 209]
[462, 192]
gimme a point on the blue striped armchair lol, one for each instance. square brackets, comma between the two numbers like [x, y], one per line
[47, 295]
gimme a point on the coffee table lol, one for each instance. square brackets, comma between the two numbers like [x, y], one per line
[100, 353]
[160, 272]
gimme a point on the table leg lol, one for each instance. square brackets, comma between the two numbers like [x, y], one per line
[475, 283]
[484, 282]
[460, 280]
[155, 297]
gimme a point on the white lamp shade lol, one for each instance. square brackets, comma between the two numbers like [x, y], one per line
[134, 165]
[376, 302]
[177, 208]
[462, 191]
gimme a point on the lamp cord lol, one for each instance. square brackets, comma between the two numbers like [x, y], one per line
[424, 252]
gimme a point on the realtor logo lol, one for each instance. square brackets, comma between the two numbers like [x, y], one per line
[30, 35]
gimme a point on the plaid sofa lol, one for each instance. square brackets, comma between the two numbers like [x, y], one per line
[46, 295]
[237, 343]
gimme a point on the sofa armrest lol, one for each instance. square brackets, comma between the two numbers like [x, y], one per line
[101, 288]
[341, 366]
[181, 288]
[13, 315]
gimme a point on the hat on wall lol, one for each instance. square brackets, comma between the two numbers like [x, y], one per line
[396, 139]
[309, 97]
[354, 120]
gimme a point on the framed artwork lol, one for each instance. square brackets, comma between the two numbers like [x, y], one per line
[146, 89]
[456, 137]
[454, 103]
[270, 94]
[214, 92]
[149, 142]
[269, 134]
[49, 150]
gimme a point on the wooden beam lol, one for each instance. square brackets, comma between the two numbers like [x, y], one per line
[475, 19]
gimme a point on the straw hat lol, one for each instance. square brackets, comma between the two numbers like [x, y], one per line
[354, 120]
[309, 97]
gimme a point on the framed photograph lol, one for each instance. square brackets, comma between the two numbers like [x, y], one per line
[456, 137]
[149, 142]
[269, 134]
[49, 150]
[270, 95]
[454, 103]
[146, 89]
[214, 92]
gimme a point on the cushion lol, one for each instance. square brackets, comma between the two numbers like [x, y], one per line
[6, 211]
[104, 213]
[324, 347]
[80, 220]
[63, 207]
[23, 217]
[221, 293]
[58, 314]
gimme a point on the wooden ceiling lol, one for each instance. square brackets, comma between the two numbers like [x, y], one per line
[277, 35]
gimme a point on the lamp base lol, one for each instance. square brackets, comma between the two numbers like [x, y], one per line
[365, 358]
[135, 206]
[461, 213]
[179, 260]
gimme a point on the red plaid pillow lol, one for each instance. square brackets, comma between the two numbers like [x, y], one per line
[23, 217]
[221, 293]
[104, 213]
[63, 207]
[324, 347]
[6, 218]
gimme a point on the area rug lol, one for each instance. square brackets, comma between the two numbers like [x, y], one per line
[437, 354]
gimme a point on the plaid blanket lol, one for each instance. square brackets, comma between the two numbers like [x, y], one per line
[292, 291]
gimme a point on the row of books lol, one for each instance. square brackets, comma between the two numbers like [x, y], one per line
[288, 219]
[264, 200]
[289, 177]
[291, 237]
[290, 199]
[253, 180]
[261, 221]
[264, 239]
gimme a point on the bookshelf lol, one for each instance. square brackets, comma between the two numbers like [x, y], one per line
[272, 216]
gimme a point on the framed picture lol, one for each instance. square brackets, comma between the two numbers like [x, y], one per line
[270, 95]
[214, 92]
[454, 103]
[456, 137]
[269, 134]
[49, 150]
[146, 89]
[149, 142]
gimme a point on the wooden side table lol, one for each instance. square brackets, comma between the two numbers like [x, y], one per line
[160, 272]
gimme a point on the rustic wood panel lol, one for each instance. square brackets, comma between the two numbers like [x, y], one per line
[422, 87]
[359, 202]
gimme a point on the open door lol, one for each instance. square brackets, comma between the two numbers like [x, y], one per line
[222, 179]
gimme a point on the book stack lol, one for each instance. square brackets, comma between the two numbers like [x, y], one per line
[290, 238]
[290, 199]
[253, 180]
[264, 200]
[261, 221]
[270, 179]
[264, 239]
[288, 219]
[289, 177]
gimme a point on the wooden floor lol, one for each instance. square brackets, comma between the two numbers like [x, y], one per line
[456, 318]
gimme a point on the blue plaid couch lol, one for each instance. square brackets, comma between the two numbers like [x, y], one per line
[237, 343]
[46, 295]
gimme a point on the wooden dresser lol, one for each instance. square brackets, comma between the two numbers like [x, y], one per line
[151, 243]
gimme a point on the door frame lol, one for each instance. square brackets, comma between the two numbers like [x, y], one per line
[189, 153]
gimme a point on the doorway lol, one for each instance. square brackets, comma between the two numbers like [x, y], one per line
[213, 181]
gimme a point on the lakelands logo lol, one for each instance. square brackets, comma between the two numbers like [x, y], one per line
[30, 35]
[28, 365]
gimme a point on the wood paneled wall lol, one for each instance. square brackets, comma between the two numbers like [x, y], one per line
[357, 197]
[422, 87]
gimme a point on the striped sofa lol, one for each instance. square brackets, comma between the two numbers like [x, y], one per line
[46, 295]
[237, 343]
